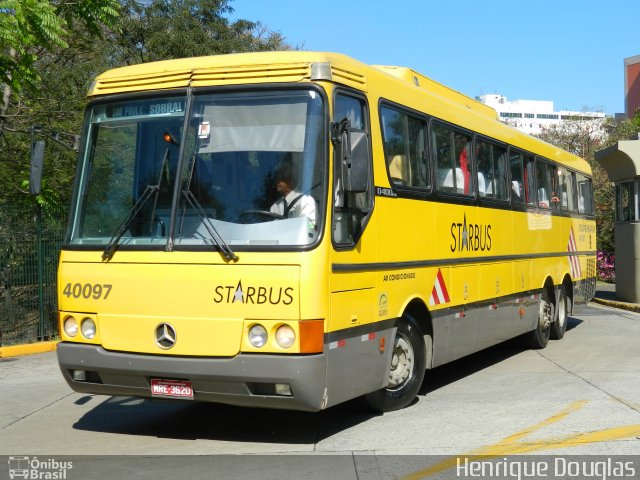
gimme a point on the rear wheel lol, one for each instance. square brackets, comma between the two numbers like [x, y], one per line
[559, 327]
[539, 337]
[407, 369]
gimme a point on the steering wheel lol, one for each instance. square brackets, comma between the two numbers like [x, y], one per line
[262, 213]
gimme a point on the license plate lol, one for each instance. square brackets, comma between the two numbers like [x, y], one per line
[171, 388]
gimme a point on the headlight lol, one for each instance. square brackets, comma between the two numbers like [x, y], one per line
[257, 336]
[285, 336]
[70, 326]
[88, 328]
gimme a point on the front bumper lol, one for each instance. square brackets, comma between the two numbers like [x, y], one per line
[243, 380]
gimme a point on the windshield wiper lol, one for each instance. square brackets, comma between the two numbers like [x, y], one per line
[124, 226]
[223, 247]
[138, 206]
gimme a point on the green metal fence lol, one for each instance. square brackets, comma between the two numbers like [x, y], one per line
[30, 240]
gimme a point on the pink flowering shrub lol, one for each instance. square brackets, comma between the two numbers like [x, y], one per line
[606, 266]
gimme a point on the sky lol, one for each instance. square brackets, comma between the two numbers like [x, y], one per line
[568, 51]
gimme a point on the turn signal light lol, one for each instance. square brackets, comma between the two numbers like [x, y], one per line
[311, 336]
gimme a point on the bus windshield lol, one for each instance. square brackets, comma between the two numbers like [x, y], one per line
[252, 172]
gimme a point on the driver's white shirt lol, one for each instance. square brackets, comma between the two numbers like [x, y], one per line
[306, 206]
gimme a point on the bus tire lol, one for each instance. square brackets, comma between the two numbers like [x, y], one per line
[408, 364]
[559, 327]
[539, 336]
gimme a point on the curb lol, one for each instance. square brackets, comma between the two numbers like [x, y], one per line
[28, 349]
[632, 307]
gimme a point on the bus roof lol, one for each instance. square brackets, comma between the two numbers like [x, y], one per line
[300, 66]
[239, 68]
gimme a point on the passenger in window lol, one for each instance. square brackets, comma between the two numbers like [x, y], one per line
[517, 191]
[462, 150]
[398, 169]
[291, 202]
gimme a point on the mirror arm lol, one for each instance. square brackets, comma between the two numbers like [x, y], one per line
[71, 142]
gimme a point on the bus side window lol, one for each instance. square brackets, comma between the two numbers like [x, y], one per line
[462, 160]
[500, 173]
[484, 160]
[492, 170]
[585, 194]
[452, 153]
[404, 148]
[529, 180]
[517, 178]
[567, 190]
[443, 153]
[546, 189]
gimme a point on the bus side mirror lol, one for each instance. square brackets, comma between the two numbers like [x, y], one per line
[358, 171]
[354, 157]
[37, 167]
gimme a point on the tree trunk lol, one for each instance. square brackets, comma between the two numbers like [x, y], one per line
[6, 97]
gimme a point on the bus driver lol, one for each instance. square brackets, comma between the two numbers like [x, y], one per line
[292, 203]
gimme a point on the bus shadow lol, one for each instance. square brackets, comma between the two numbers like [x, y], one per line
[209, 421]
[457, 370]
[572, 323]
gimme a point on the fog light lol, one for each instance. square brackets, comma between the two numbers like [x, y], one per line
[70, 326]
[285, 336]
[257, 336]
[80, 375]
[283, 389]
[88, 328]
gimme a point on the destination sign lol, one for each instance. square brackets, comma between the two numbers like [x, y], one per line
[145, 108]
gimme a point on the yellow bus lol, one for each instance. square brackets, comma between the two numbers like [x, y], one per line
[296, 229]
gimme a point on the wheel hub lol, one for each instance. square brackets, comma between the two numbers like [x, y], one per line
[546, 314]
[402, 362]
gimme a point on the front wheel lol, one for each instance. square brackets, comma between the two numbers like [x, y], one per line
[406, 372]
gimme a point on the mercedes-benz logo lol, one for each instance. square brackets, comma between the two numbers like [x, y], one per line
[165, 336]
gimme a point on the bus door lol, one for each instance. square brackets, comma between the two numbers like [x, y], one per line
[355, 365]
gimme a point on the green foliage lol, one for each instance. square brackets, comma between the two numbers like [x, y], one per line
[29, 28]
[622, 130]
[605, 201]
[584, 139]
[166, 29]
[25, 24]
[62, 45]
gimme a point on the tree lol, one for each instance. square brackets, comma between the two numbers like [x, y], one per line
[29, 28]
[165, 29]
[54, 95]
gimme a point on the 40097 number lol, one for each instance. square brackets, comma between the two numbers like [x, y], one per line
[96, 291]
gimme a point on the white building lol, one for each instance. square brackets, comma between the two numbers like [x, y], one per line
[533, 116]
